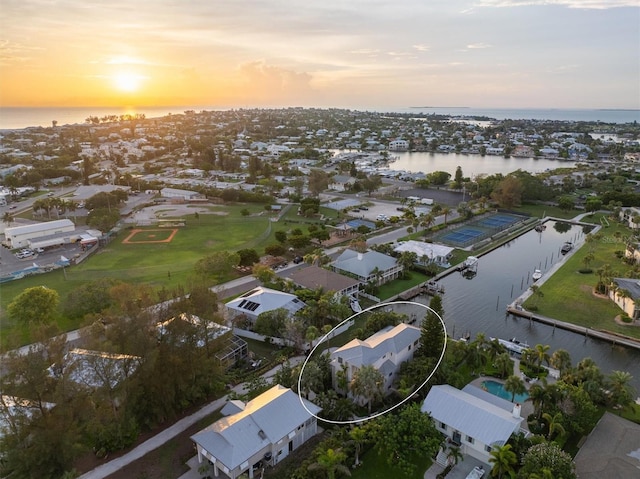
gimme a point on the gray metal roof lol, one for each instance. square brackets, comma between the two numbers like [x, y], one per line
[631, 285]
[362, 264]
[260, 300]
[390, 339]
[314, 277]
[264, 420]
[470, 415]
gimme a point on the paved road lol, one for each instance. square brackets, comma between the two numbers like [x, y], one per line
[161, 438]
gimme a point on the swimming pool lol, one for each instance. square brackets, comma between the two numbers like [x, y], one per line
[497, 389]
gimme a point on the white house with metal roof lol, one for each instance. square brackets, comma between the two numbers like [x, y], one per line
[385, 350]
[426, 252]
[472, 418]
[371, 266]
[260, 300]
[314, 277]
[259, 433]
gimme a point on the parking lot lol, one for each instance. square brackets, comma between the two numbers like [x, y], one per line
[15, 261]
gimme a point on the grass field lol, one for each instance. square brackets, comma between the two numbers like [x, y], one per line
[167, 264]
[568, 294]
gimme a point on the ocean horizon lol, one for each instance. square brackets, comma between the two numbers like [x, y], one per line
[12, 118]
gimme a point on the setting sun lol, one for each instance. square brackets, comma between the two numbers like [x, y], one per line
[127, 81]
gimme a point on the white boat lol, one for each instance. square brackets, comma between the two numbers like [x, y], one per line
[355, 306]
[537, 274]
[513, 345]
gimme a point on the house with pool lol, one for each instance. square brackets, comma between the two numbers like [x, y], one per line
[472, 419]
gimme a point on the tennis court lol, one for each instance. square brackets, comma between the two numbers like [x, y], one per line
[497, 221]
[478, 230]
[462, 235]
[358, 222]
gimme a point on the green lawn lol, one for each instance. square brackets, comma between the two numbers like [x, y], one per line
[397, 286]
[376, 467]
[541, 211]
[568, 294]
[156, 264]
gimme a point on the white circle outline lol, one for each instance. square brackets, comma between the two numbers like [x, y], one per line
[372, 416]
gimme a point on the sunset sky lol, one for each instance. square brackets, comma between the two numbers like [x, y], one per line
[332, 53]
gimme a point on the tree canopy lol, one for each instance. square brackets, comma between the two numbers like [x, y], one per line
[34, 305]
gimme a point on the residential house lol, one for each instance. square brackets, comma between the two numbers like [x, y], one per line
[259, 433]
[627, 296]
[230, 348]
[426, 252]
[385, 350]
[472, 419]
[370, 266]
[259, 300]
[398, 145]
[630, 216]
[314, 277]
[341, 182]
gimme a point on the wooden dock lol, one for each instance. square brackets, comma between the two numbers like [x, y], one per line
[429, 287]
[587, 332]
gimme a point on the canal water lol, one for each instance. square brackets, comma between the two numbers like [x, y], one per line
[479, 304]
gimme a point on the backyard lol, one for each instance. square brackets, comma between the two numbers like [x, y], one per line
[569, 295]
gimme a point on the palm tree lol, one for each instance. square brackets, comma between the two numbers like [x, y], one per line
[358, 435]
[311, 334]
[621, 392]
[503, 364]
[446, 211]
[407, 259]
[427, 221]
[503, 460]
[331, 461]
[555, 424]
[538, 395]
[514, 385]
[368, 383]
[541, 354]
[561, 360]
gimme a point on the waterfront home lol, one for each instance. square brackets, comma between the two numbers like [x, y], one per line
[259, 300]
[314, 277]
[257, 434]
[426, 253]
[472, 419]
[370, 266]
[385, 350]
[626, 295]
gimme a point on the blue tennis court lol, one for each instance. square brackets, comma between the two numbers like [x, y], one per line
[358, 222]
[498, 221]
[478, 230]
[462, 235]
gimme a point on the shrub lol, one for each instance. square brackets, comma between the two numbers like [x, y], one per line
[585, 271]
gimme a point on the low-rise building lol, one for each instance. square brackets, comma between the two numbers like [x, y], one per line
[19, 236]
[370, 266]
[259, 300]
[385, 350]
[314, 277]
[259, 433]
[472, 419]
